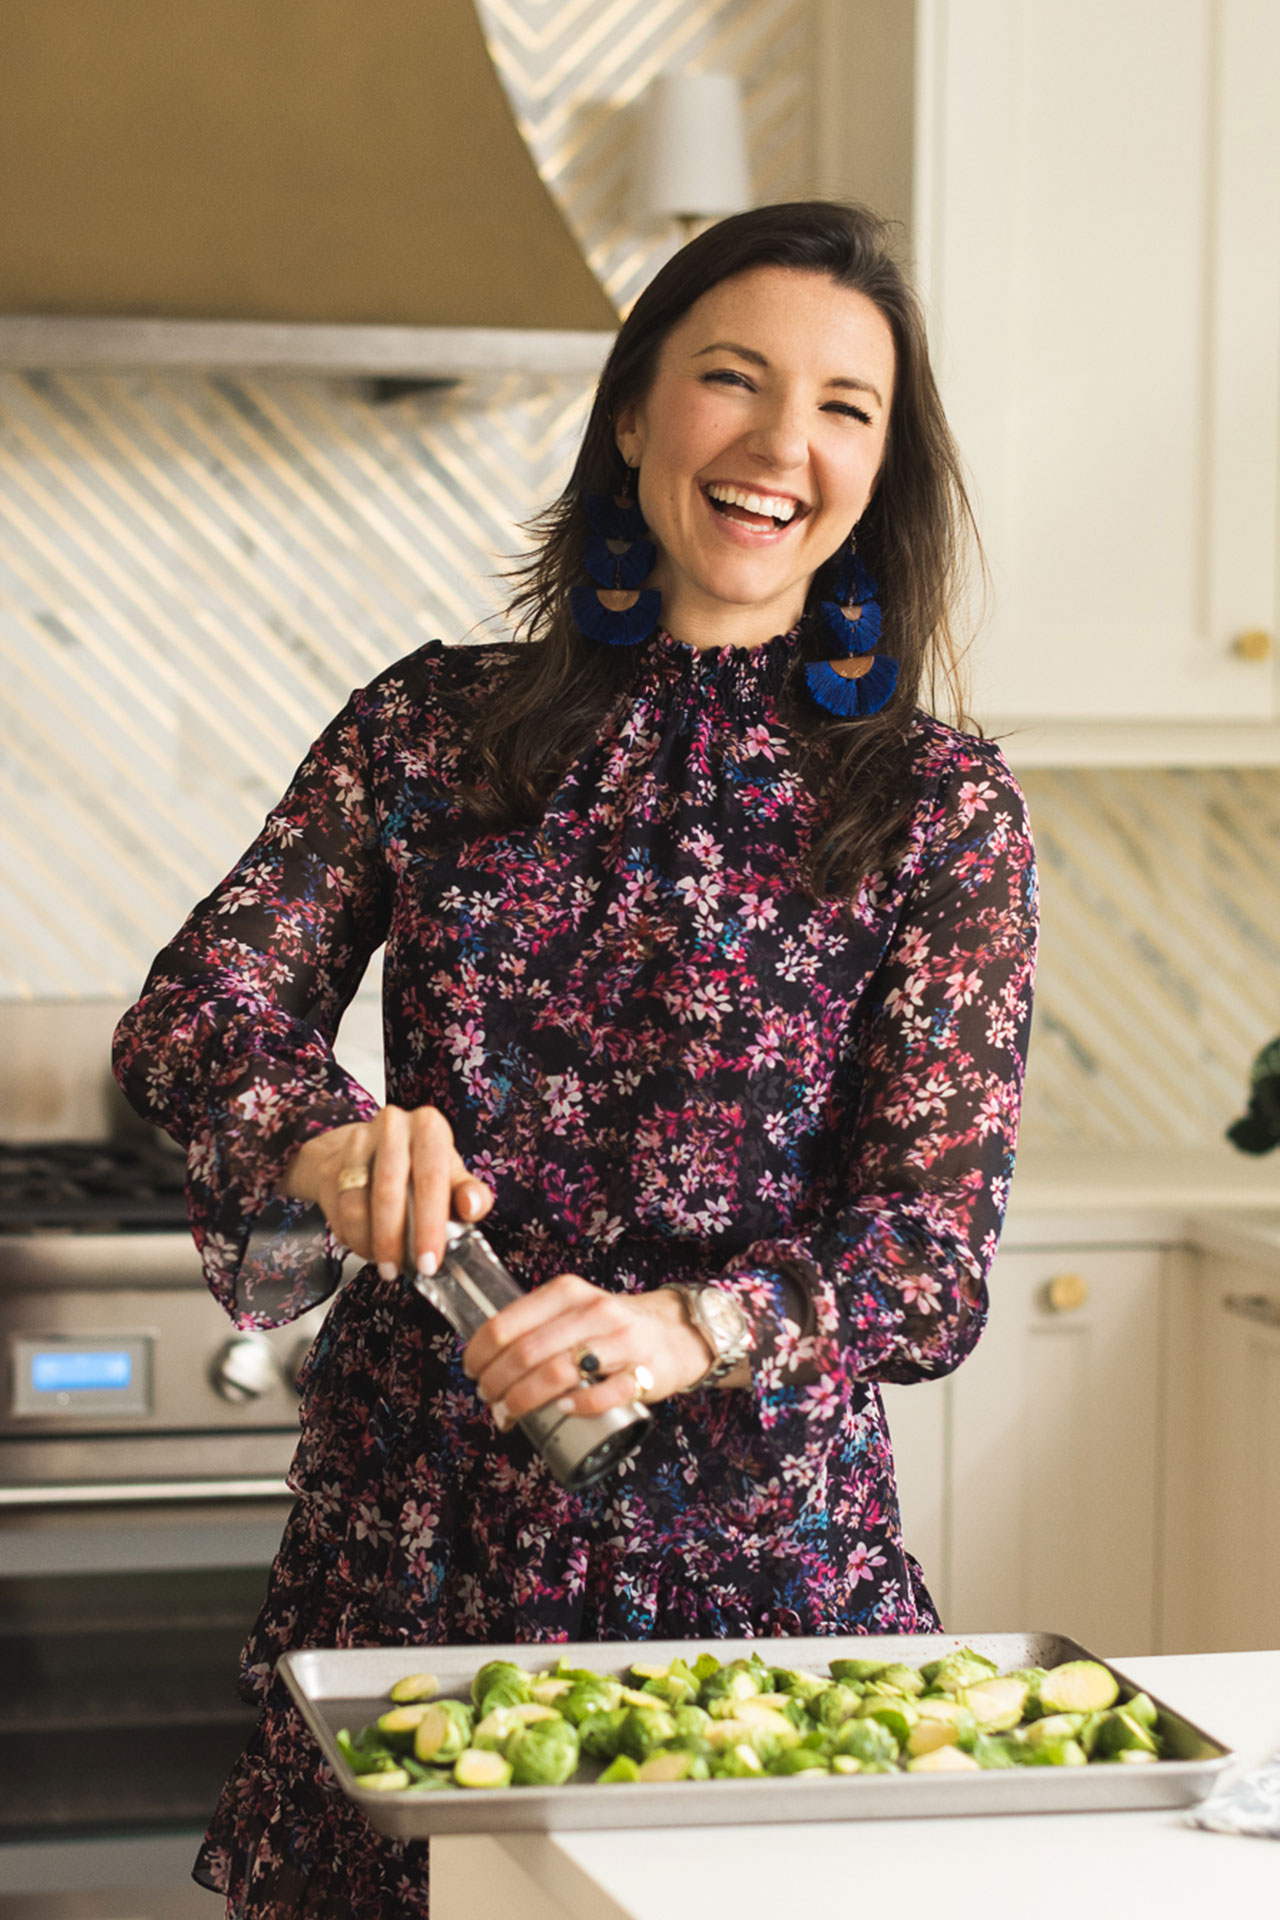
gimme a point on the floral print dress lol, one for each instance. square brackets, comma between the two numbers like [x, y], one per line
[669, 1063]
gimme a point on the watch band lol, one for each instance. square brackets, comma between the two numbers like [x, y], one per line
[726, 1351]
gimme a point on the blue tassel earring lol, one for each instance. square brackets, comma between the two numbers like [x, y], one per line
[852, 695]
[619, 610]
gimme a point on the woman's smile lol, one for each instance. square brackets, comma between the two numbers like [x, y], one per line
[758, 445]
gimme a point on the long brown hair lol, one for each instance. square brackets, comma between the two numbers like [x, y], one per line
[913, 536]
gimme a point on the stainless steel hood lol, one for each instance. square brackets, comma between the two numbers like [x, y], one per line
[343, 162]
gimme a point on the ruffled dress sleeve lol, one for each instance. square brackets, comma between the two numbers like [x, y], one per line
[230, 1048]
[889, 1282]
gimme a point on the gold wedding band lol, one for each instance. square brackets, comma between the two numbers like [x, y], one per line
[352, 1177]
[643, 1379]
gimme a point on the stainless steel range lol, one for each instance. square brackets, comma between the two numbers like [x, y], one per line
[143, 1448]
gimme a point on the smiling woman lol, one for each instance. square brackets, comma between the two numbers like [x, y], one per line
[707, 988]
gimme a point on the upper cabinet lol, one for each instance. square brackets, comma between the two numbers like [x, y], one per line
[1095, 210]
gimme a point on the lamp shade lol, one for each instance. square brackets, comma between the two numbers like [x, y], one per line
[691, 162]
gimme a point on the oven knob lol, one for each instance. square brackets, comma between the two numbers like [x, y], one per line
[246, 1368]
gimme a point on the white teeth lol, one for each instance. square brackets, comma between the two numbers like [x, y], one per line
[775, 505]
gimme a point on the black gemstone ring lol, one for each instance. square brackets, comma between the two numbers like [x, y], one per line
[587, 1363]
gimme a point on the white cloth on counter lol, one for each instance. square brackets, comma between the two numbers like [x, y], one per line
[1249, 1804]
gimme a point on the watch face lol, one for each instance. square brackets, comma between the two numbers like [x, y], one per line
[724, 1317]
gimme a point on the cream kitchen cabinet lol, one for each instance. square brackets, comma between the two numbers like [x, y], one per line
[1095, 212]
[1031, 1480]
[1226, 1446]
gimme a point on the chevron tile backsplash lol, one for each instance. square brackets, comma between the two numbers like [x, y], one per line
[194, 571]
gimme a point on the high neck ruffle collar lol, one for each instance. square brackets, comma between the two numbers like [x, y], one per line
[740, 677]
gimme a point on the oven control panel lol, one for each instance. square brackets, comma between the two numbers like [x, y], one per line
[146, 1359]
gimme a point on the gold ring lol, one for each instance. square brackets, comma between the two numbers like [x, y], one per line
[643, 1379]
[352, 1177]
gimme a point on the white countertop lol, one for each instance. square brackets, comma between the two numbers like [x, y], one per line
[1212, 1177]
[1056, 1866]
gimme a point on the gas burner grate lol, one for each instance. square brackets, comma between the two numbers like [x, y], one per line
[91, 1184]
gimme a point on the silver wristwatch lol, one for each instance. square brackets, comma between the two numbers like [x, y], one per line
[717, 1316]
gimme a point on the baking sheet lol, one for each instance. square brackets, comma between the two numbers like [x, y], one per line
[348, 1688]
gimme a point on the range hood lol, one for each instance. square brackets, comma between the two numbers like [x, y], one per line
[335, 163]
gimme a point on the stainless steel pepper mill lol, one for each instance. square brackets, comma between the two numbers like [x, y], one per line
[470, 1286]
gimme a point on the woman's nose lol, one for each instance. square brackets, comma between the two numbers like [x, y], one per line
[778, 438]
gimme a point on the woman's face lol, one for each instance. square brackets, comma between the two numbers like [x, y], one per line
[758, 446]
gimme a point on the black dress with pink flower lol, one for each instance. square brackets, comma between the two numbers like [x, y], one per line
[669, 1063]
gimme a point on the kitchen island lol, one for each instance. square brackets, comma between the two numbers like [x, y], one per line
[1055, 1865]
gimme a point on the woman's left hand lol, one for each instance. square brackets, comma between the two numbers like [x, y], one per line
[528, 1355]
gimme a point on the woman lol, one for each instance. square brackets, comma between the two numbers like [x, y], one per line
[707, 981]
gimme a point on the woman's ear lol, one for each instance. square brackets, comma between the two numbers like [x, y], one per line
[627, 434]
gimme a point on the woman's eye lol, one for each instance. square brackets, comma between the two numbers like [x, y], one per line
[850, 413]
[727, 377]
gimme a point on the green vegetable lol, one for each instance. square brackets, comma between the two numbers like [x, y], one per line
[622, 1767]
[1078, 1686]
[599, 1733]
[367, 1754]
[500, 1683]
[1142, 1709]
[996, 1705]
[644, 1730]
[414, 1687]
[867, 1741]
[481, 1767]
[835, 1704]
[856, 1671]
[393, 1781]
[964, 1668]
[543, 1754]
[943, 1760]
[737, 1763]
[801, 1686]
[992, 1750]
[443, 1731]
[1065, 1751]
[1119, 1732]
[898, 1678]
[399, 1725]
[672, 1765]
[799, 1760]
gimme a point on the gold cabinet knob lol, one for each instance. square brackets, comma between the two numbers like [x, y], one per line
[1255, 643]
[1066, 1292]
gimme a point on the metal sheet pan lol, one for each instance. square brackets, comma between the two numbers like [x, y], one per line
[349, 1688]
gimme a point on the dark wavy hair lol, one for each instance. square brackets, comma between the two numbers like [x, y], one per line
[914, 536]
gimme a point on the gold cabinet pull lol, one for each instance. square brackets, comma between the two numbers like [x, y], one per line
[1255, 643]
[1066, 1293]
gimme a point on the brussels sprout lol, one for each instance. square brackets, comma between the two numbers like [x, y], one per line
[366, 1753]
[549, 1690]
[796, 1760]
[1142, 1708]
[481, 1767]
[867, 1741]
[399, 1724]
[599, 1733]
[642, 1670]
[691, 1723]
[394, 1781]
[738, 1681]
[992, 1750]
[543, 1754]
[801, 1686]
[414, 1687]
[930, 1732]
[1133, 1757]
[673, 1765]
[1054, 1726]
[945, 1708]
[737, 1763]
[943, 1760]
[429, 1779]
[673, 1689]
[1062, 1752]
[996, 1705]
[1078, 1686]
[1033, 1676]
[585, 1697]
[899, 1716]
[1120, 1732]
[835, 1704]
[845, 1763]
[496, 1728]
[704, 1666]
[500, 1684]
[856, 1671]
[644, 1730]
[442, 1733]
[621, 1767]
[963, 1668]
[898, 1678]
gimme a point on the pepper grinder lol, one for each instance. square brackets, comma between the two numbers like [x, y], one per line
[469, 1287]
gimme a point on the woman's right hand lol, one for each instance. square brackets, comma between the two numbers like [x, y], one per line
[394, 1149]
